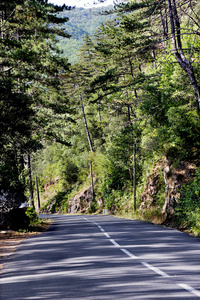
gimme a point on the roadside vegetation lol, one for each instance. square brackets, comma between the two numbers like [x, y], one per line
[124, 113]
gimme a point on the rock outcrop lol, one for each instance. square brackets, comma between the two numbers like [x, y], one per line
[174, 178]
[151, 188]
[80, 202]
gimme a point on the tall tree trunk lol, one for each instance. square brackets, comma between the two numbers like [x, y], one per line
[92, 182]
[134, 177]
[30, 181]
[178, 50]
[99, 110]
[164, 24]
[86, 126]
[90, 145]
[139, 65]
[153, 54]
[38, 193]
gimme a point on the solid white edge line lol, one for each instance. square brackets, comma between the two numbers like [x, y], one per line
[189, 289]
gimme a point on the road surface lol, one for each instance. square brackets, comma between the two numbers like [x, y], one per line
[103, 257]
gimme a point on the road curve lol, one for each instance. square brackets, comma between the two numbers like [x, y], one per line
[103, 257]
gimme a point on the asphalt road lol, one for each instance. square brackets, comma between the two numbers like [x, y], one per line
[102, 257]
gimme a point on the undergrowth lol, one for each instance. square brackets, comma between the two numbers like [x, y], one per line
[187, 210]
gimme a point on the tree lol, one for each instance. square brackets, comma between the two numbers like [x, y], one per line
[176, 39]
[30, 70]
[128, 88]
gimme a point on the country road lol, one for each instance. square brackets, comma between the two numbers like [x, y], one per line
[103, 257]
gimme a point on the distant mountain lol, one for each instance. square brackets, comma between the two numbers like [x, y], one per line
[81, 22]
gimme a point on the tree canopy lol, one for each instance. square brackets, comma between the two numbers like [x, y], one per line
[131, 100]
[30, 72]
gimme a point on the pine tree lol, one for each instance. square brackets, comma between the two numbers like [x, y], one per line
[30, 70]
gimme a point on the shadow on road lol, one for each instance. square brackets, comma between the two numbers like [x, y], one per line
[75, 260]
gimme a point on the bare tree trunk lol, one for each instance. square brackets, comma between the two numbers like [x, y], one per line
[164, 24]
[86, 126]
[92, 182]
[30, 181]
[130, 63]
[89, 142]
[99, 110]
[38, 193]
[153, 54]
[139, 65]
[178, 50]
[134, 177]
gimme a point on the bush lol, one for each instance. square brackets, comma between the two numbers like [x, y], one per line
[33, 216]
[187, 211]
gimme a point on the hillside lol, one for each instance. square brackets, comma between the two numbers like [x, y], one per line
[81, 22]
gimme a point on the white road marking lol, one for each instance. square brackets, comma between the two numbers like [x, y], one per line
[129, 253]
[114, 243]
[147, 265]
[189, 289]
[107, 235]
[156, 270]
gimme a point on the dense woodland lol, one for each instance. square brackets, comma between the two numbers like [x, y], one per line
[128, 109]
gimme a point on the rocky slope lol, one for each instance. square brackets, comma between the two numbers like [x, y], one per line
[173, 179]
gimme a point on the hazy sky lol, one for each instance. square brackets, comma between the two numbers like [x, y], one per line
[80, 3]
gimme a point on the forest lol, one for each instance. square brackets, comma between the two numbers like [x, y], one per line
[80, 22]
[121, 122]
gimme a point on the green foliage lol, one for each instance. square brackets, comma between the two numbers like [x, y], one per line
[33, 216]
[111, 197]
[93, 207]
[59, 202]
[127, 89]
[187, 211]
[184, 128]
[15, 134]
[61, 162]
[70, 172]
[153, 215]
[114, 168]
[29, 73]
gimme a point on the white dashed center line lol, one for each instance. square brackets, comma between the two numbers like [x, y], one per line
[129, 253]
[189, 289]
[156, 270]
[107, 235]
[114, 243]
[147, 265]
